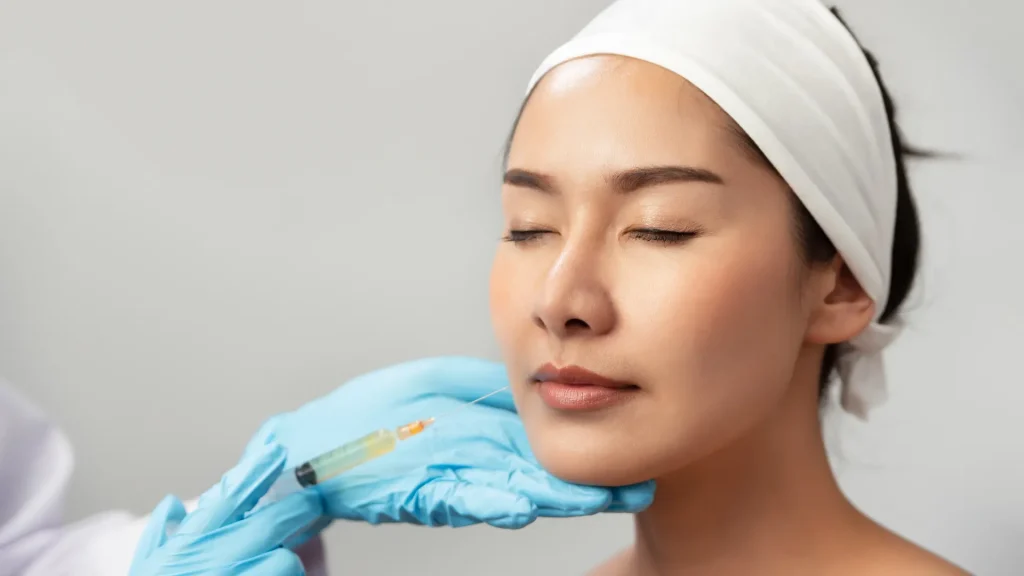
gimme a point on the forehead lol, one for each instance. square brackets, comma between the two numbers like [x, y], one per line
[620, 110]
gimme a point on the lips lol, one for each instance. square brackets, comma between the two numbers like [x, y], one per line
[573, 388]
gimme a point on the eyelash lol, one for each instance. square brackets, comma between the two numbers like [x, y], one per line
[518, 237]
[663, 236]
[668, 237]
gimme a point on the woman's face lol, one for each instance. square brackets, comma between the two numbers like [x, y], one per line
[649, 297]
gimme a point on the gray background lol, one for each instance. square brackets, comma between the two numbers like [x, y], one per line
[214, 211]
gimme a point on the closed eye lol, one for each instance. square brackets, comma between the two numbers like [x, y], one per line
[663, 236]
[523, 236]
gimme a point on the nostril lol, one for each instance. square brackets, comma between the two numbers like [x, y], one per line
[576, 324]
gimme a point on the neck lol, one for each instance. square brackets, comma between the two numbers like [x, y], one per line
[767, 503]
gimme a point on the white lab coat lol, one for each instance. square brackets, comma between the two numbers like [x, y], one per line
[36, 462]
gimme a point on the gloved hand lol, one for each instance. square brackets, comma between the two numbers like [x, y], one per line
[472, 466]
[219, 536]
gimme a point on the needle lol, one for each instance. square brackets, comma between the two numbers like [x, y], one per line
[484, 397]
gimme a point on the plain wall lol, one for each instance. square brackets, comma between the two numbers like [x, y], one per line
[214, 211]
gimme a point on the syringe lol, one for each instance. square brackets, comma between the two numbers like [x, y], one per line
[344, 458]
[351, 454]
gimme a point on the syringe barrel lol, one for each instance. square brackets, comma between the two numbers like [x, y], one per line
[342, 459]
[349, 455]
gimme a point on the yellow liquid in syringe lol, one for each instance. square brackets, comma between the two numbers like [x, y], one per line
[352, 454]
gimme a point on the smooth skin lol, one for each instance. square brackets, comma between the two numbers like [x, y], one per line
[645, 244]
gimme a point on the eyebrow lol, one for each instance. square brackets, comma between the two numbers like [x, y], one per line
[625, 181]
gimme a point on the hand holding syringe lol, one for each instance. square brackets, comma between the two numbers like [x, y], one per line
[476, 468]
[352, 454]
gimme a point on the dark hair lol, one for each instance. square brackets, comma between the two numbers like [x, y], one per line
[817, 248]
[815, 245]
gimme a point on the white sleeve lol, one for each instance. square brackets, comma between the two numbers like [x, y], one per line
[36, 463]
[35, 466]
[103, 545]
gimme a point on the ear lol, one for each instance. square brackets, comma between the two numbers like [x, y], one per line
[840, 308]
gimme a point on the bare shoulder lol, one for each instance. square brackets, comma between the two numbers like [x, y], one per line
[916, 561]
[892, 554]
[617, 565]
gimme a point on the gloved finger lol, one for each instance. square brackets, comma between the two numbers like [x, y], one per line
[430, 500]
[231, 478]
[167, 514]
[265, 435]
[458, 377]
[450, 502]
[553, 498]
[238, 491]
[633, 498]
[280, 562]
[269, 527]
[308, 533]
[468, 378]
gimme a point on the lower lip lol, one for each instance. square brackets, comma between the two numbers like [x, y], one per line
[581, 397]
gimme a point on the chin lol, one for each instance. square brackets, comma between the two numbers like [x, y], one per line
[588, 474]
[583, 455]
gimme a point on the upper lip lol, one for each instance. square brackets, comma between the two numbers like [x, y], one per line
[576, 375]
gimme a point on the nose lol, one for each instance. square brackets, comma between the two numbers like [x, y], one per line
[574, 301]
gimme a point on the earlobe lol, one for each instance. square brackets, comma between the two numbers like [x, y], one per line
[844, 311]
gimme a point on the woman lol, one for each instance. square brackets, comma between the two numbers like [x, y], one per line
[707, 218]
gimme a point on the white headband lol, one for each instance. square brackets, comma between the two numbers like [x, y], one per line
[791, 75]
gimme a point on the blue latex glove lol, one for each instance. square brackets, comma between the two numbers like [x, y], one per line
[219, 536]
[473, 466]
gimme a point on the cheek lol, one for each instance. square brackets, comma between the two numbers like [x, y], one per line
[511, 303]
[740, 296]
[721, 329]
[724, 308]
